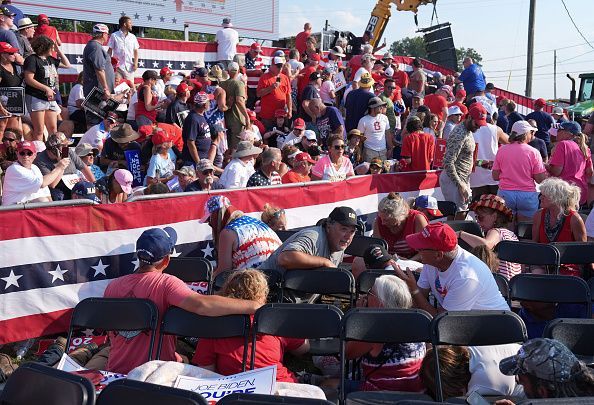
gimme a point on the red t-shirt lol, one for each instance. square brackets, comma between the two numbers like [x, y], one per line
[275, 100]
[303, 79]
[420, 148]
[227, 354]
[293, 177]
[436, 104]
[463, 108]
[397, 243]
[300, 41]
[354, 65]
[400, 78]
[127, 349]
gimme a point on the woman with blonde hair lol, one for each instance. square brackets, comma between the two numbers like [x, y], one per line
[395, 221]
[274, 217]
[557, 220]
[571, 159]
[242, 242]
[225, 356]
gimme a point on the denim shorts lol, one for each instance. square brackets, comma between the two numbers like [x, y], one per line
[524, 203]
[36, 104]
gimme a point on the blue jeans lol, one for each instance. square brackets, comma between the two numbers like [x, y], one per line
[523, 203]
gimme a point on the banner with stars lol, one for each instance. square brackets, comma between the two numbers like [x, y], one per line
[251, 18]
[52, 258]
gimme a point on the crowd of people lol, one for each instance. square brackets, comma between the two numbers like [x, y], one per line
[240, 124]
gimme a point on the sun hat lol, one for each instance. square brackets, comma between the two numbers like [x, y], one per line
[494, 202]
[246, 148]
[124, 179]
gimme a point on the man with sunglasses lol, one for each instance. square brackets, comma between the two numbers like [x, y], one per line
[24, 182]
[87, 153]
[8, 149]
[205, 179]
[307, 141]
[7, 34]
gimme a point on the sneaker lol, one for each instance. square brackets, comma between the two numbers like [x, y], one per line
[84, 353]
[6, 367]
[59, 343]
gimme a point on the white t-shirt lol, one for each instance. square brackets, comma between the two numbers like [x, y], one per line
[374, 128]
[236, 174]
[132, 107]
[288, 139]
[123, 46]
[95, 136]
[360, 72]
[466, 285]
[487, 144]
[227, 40]
[590, 225]
[486, 378]
[327, 88]
[76, 93]
[22, 185]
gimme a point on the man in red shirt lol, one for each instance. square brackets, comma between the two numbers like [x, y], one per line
[400, 77]
[303, 80]
[274, 90]
[301, 38]
[438, 102]
[459, 101]
[418, 148]
[301, 169]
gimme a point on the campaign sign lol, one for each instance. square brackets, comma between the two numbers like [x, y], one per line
[13, 99]
[98, 104]
[259, 381]
[339, 81]
[133, 160]
[440, 148]
[66, 363]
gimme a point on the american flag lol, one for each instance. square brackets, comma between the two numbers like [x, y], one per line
[52, 258]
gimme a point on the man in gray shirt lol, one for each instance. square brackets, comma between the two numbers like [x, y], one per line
[319, 246]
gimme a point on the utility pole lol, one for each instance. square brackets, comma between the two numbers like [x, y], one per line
[530, 56]
[555, 74]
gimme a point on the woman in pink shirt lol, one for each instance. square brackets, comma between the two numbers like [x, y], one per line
[517, 166]
[335, 166]
[571, 159]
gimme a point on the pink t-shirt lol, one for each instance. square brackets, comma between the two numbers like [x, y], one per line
[326, 170]
[518, 163]
[165, 291]
[568, 154]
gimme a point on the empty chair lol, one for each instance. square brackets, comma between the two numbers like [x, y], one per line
[581, 253]
[126, 392]
[179, 322]
[116, 314]
[303, 321]
[34, 383]
[191, 270]
[474, 328]
[284, 235]
[551, 288]
[260, 399]
[467, 226]
[381, 325]
[447, 208]
[576, 334]
[528, 253]
[503, 286]
[331, 281]
[524, 230]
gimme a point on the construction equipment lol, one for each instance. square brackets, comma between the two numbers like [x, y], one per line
[381, 15]
[583, 107]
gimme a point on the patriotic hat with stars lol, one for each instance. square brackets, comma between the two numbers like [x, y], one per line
[213, 204]
[154, 244]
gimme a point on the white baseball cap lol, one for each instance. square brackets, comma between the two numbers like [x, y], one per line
[522, 127]
[277, 60]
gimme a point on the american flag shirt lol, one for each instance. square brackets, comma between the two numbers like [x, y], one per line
[255, 242]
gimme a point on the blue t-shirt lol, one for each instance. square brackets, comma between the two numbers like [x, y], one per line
[502, 121]
[328, 123]
[473, 79]
[541, 147]
[160, 167]
[536, 327]
[512, 119]
[544, 121]
[356, 107]
[196, 129]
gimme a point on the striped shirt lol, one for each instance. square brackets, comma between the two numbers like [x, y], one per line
[508, 269]
[255, 242]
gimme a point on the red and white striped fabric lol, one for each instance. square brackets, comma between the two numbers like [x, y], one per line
[52, 258]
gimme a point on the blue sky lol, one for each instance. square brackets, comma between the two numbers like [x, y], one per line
[497, 29]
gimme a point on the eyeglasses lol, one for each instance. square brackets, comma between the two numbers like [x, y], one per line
[5, 139]
[26, 153]
[278, 214]
[339, 147]
[207, 172]
[390, 88]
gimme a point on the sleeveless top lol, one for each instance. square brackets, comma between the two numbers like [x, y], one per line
[10, 79]
[396, 368]
[255, 242]
[563, 235]
[397, 243]
[508, 269]
[140, 106]
[214, 115]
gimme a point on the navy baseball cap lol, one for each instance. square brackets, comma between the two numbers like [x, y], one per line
[85, 189]
[571, 126]
[155, 243]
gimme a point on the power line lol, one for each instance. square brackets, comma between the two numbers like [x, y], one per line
[538, 67]
[575, 25]
[536, 53]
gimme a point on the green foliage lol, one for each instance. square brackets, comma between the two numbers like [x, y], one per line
[462, 52]
[415, 47]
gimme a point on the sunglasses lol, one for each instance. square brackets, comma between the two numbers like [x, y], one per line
[207, 172]
[9, 139]
[26, 153]
[278, 214]
[339, 147]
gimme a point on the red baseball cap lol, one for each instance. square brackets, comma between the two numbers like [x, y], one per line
[256, 47]
[165, 71]
[315, 56]
[5, 47]
[42, 17]
[460, 93]
[540, 102]
[160, 137]
[183, 87]
[304, 157]
[252, 115]
[436, 236]
[26, 145]
[478, 114]
[145, 130]
[299, 124]
[280, 113]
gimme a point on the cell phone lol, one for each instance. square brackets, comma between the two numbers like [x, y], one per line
[64, 152]
[476, 399]
[278, 79]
